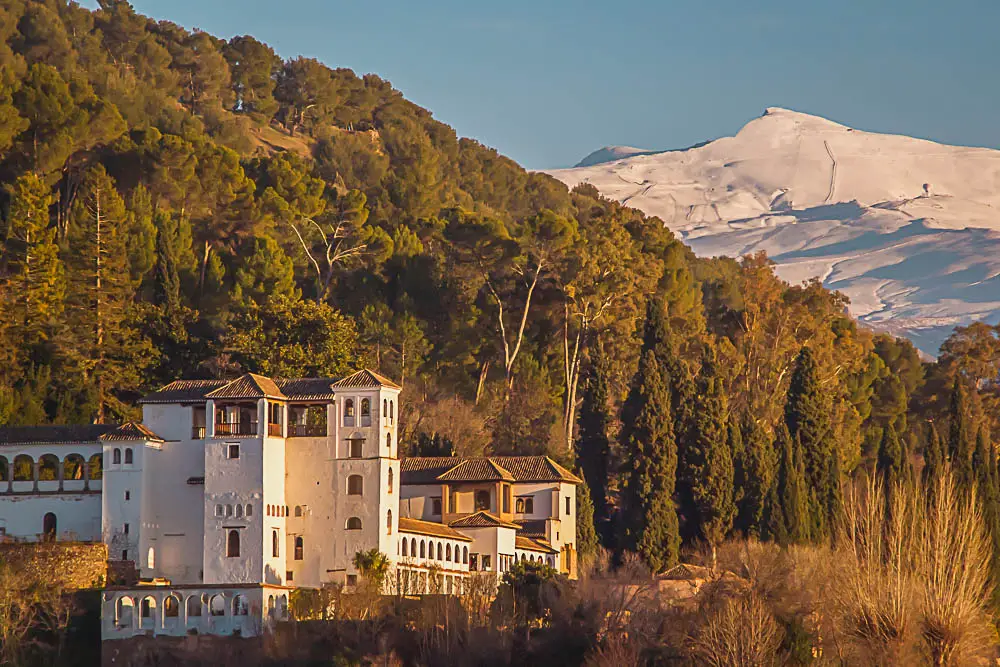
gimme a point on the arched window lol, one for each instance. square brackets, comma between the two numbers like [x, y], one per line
[388, 522]
[116, 456]
[218, 510]
[4, 470]
[24, 468]
[390, 480]
[298, 510]
[124, 612]
[148, 607]
[465, 555]
[217, 605]
[482, 499]
[404, 547]
[48, 468]
[268, 511]
[440, 552]
[413, 546]
[233, 544]
[240, 606]
[392, 417]
[194, 606]
[229, 510]
[388, 440]
[151, 558]
[249, 509]
[366, 412]
[275, 551]
[95, 466]
[354, 523]
[519, 506]
[171, 607]
[128, 456]
[349, 412]
[447, 553]
[239, 511]
[423, 553]
[355, 485]
[72, 467]
[299, 548]
[49, 526]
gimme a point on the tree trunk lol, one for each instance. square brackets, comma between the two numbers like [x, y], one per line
[204, 267]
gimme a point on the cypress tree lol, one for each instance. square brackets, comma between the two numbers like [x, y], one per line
[983, 463]
[649, 521]
[789, 510]
[960, 443]
[709, 460]
[890, 465]
[835, 495]
[592, 446]
[683, 400]
[933, 458]
[586, 534]
[807, 415]
[754, 470]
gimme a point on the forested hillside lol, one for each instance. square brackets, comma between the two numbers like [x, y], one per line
[176, 205]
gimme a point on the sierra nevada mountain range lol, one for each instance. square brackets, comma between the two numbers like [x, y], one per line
[908, 229]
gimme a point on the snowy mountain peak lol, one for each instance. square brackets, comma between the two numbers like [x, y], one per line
[909, 229]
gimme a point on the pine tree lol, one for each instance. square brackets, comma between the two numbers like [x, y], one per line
[649, 522]
[890, 464]
[755, 471]
[807, 415]
[586, 534]
[36, 275]
[709, 460]
[592, 446]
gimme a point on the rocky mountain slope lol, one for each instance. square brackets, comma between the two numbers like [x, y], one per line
[909, 229]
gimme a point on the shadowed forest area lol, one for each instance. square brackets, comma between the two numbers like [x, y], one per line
[177, 205]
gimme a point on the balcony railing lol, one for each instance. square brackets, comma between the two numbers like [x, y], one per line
[197, 432]
[307, 430]
[235, 428]
[274, 430]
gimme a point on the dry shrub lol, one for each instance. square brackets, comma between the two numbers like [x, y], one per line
[741, 633]
[616, 652]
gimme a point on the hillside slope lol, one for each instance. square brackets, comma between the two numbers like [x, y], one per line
[908, 229]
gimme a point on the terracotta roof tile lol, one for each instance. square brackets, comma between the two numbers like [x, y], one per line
[482, 519]
[533, 528]
[131, 431]
[429, 470]
[248, 385]
[312, 389]
[365, 379]
[430, 528]
[476, 470]
[183, 391]
[53, 435]
[529, 544]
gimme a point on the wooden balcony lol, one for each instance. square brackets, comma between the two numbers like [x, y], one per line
[226, 429]
[307, 430]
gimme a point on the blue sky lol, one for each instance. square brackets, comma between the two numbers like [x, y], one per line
[547, 81]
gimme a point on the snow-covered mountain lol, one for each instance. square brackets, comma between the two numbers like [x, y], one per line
[909, 229]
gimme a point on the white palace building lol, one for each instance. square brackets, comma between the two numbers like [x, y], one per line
[230, 494]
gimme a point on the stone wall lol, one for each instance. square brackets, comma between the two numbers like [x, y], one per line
[78, 565]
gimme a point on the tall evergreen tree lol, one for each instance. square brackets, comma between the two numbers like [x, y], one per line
[960, 434]
[807, 415]
[592, 446]
[933, 457]
[649, 518]
[983, 464]
[709, 464]
[586, 533]
[789, 512]
[754, 470]
[889, 463]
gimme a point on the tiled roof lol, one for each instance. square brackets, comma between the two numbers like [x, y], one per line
[248, 385]
[365, 379]
[529, 544]
[533, 528]
[430, 528]
[131, 431]
[482, 519]
[313, 389]
[183, 391]
[536, 469]
[429, 470]
[476, 470]
[53, 435]
[425, 469]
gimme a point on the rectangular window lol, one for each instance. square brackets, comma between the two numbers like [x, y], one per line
[436, 505]
[125, 554]
[289, 575]
[567, 505]
[128, 495]
[355, 449]
[233, 451]
[486, 562]
[506, 499]
[352, 580]
[473, 562]
[125, 529]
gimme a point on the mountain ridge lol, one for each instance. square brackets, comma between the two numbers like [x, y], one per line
[907, 228]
